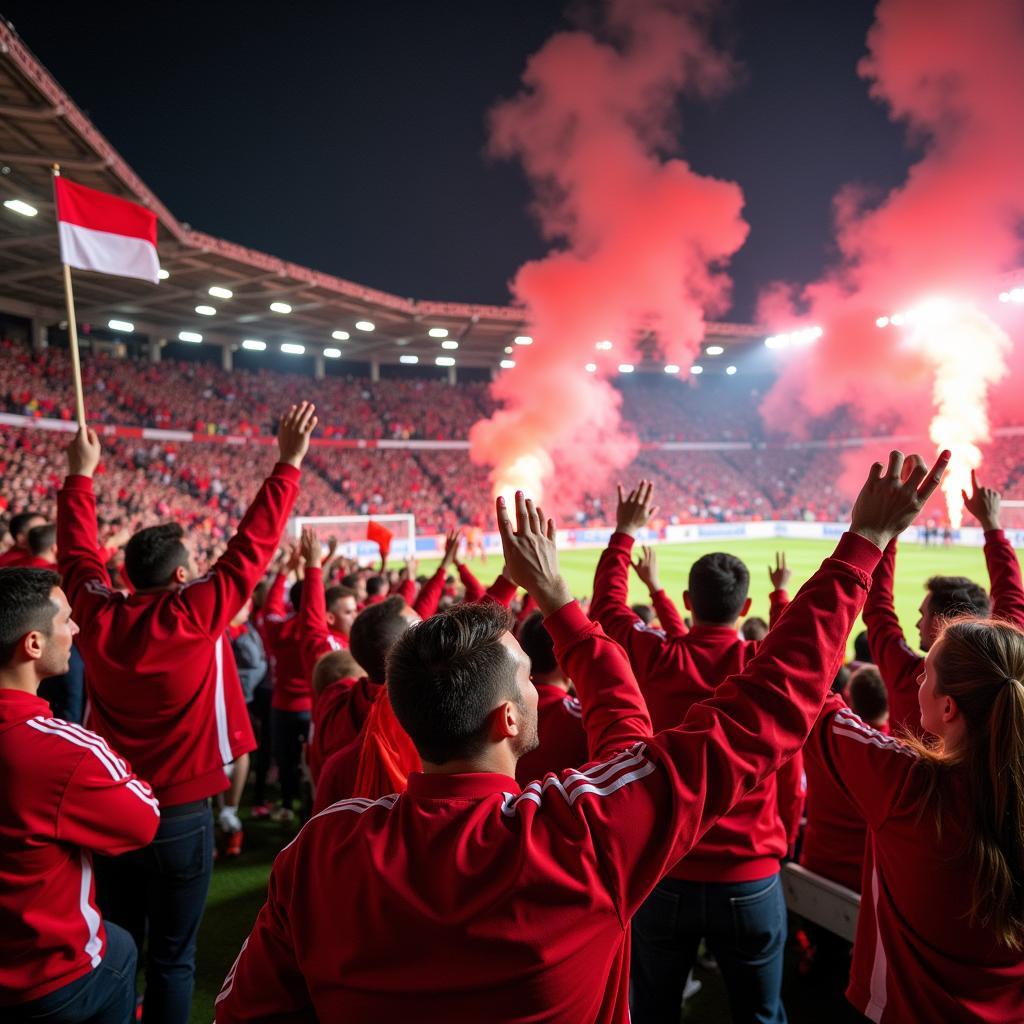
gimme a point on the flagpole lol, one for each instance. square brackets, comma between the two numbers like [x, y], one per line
[76, 364]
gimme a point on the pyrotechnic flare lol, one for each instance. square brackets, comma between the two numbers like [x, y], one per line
[639, 239]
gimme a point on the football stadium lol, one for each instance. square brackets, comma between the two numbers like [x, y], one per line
[641, 642]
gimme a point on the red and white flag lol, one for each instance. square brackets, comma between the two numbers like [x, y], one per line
[105, 233]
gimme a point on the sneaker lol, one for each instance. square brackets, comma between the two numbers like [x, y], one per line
[283, 814]
[234, 845]
[229, 821]
[259, 812]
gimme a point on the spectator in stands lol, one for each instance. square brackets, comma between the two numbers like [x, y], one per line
[164, 688]
[376, 590]
[861, 649]
[868, 698]
[644, 612]
[946, 597]
[66, 795]
[19, 555]
[669, 619]
[736, 864]
[528, 890]
[42, 546]
[754, 628]
[940, 937]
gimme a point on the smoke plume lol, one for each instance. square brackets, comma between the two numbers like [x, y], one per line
[638, 237]
[933, 248]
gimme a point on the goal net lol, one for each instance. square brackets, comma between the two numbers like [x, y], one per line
[351, 532]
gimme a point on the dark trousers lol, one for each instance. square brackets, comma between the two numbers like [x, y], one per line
[158, 894]
[106, 995]
[744, 926]
[259, 716]
[289, 730]
[66, 694]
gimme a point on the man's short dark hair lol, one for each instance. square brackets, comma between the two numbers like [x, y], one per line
[19, 522]
[152, 555]
[335, 594]
[841, 681]
[351, 580]
[376, 585]
[374, 631]
[718, 588]
[644, 612]
[536, 641]
[446, 676]
[25, 605]
[754, 628]
[42, 538]
[861, 647]
[954, 596]
[867, 694]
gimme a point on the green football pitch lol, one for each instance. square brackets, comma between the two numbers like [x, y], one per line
[239, 887]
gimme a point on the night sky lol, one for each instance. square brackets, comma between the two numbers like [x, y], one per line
[350, 137]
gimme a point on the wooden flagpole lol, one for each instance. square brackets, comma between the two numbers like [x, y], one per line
[69, 302]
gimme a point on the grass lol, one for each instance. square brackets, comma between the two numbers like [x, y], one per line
[239, 887]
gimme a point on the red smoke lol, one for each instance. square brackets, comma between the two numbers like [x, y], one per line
[953, 72]
[638, 240]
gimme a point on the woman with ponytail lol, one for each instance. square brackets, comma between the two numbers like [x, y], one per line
[941, 929]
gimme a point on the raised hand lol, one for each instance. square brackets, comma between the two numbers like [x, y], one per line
[310, 550]
[531, 558]
[984, 504]
[451, 548]
[332, 546]
[293, 435]
[412, 566]
[781, 574]
[83, 452]
[294, 558]
[891, 498]
[647, 568]
[634, 510]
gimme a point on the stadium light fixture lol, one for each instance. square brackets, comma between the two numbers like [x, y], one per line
[731, 370]
[438, 332]
[591, 367]
[696, 369]
[221, 293]
[365, 325]
[1017, 295]
[292, 349]
[20, 206]
[124, 326]
[804, 336]
[192, 337]
[714, 350]
[450, 344]
[603, 346]
[332, 353]
[507, 364]
[280, 307]
[206, 311]
[444, 361]
[409, 360]
[254, 345]
[163, 274]
[509, 350]
[626, 367]
[671, 368]
[882, 322]
[523, 339]
[340, 335]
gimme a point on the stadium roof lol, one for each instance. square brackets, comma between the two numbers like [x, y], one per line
[40, 125]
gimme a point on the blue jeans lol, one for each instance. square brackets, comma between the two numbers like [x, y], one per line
[106, 995]
[158, 894]
[744, 926]
[289, 730]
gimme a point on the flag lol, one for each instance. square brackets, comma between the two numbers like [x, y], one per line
[105, 233]
[379, 534]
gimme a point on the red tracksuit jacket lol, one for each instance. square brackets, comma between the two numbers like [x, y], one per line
[916, 956]
[563, 740]
[162, 682]
[674, 673]
[65, 794]
[467, 898]
[901, 666]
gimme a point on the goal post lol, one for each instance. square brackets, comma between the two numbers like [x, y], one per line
[351, 534]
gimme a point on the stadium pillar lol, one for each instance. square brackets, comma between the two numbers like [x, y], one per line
[452, 378]
[40, 335]
[226, 362]
[319, 366]
[155, 344]
[374, 370]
